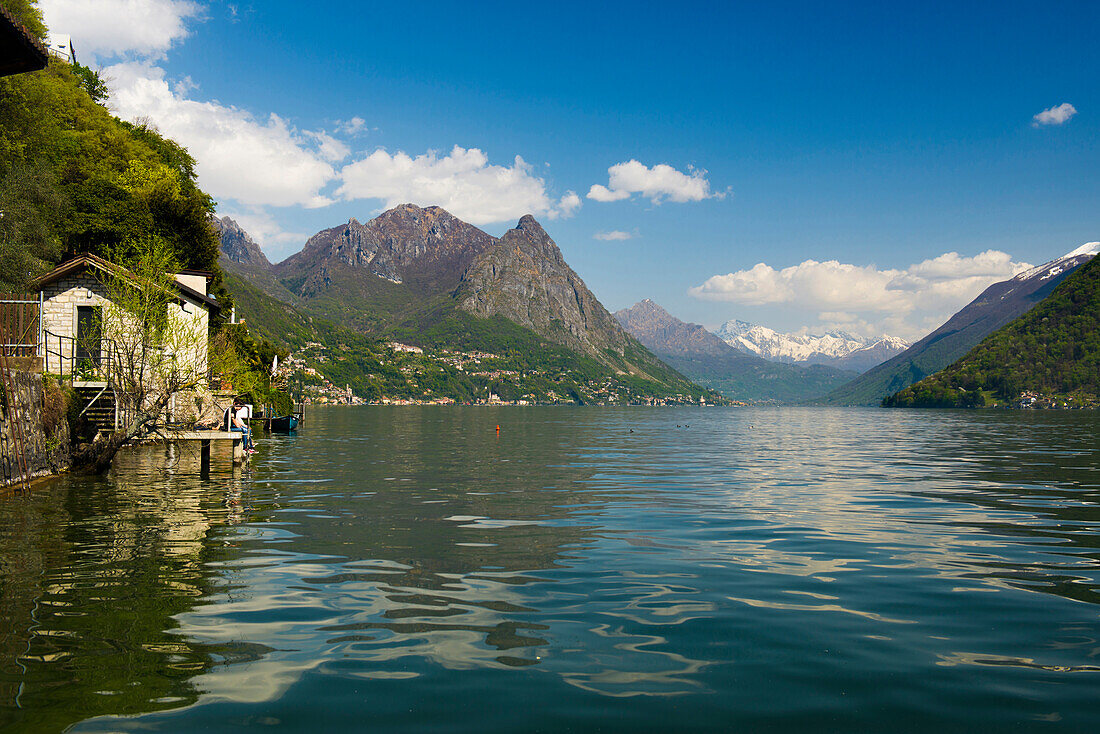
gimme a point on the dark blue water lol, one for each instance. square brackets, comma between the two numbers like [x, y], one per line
[611, 570]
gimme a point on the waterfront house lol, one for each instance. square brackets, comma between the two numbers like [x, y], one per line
[88, 339]
[72, 298]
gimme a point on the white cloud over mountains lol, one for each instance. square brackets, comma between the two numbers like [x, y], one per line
[660, 183]
[108, 28]
[267, 162]
[251, 162]
[463, 182]
[1054, 115]
[258, 162]
[903, 301]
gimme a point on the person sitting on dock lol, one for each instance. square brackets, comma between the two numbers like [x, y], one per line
[234, 420]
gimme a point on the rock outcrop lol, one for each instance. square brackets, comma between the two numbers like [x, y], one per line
[524, 278]
[426, 249]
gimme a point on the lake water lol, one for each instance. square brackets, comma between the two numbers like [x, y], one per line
[611, 570]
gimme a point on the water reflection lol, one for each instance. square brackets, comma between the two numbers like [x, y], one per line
[855, 567]
[93, 573]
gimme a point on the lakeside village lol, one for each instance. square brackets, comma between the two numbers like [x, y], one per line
[411, 372]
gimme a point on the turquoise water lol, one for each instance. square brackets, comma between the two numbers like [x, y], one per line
[611, 570]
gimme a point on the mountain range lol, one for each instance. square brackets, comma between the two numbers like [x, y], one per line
[423, 277]
[710, 361]
[997, 305]
[836, 348]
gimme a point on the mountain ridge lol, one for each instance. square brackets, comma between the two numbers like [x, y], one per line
[422, 277]
[702, 356]
[995, 307]
[1049, 356]
[835, 348]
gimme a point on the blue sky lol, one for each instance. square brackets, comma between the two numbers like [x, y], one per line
[755, 144]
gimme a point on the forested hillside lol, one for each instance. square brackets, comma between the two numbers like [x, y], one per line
[1049, 355]
[74, 178]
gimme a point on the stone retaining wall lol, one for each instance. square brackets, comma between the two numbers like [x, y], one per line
[46, 453]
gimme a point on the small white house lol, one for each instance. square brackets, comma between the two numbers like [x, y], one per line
[72, 298]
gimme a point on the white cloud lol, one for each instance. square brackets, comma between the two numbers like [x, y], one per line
[902, 299]
[1054, 115]
[108, 28]
[569, 204]
[329, 147]
[256, 162]
[658, 183]
[354, 126]
[463, 182]
[614, 234]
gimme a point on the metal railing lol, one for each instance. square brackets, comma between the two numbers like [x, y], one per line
[62, 356]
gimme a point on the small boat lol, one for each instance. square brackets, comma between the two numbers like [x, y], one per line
[283, 423]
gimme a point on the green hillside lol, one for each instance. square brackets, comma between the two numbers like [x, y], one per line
[465, 358]
[1050, 355]
[74, 178]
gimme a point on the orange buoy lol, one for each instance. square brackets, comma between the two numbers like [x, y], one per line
[498, 428]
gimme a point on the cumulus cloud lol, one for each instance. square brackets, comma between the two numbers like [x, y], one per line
[660, 183]
[1054, 115]
[354, 126]
[238, 156]
[614, 234]
[843, 293]
[329, 147]
[463, 182]
[109, 28]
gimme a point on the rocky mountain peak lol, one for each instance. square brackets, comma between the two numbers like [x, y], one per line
[642, 315]
[530, 234]
[236, 244]
[526, 279]
[528, 223]
[659, 330]
[425, 248]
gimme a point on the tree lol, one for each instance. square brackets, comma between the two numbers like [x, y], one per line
[92, 81]
[30, 205]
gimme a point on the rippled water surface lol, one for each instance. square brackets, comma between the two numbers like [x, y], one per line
[409, 569]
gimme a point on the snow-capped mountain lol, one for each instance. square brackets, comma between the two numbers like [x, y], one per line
[1069, 261]
[836, 348]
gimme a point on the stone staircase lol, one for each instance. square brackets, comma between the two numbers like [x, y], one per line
[101, 411]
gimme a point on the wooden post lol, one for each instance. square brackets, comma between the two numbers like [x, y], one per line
[204, 456]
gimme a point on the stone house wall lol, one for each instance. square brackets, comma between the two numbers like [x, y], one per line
[61, 298]
[59, 303]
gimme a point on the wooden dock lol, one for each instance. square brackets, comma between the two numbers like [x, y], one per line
[206, 438]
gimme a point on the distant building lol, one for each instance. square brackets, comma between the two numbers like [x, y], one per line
[60, 46]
